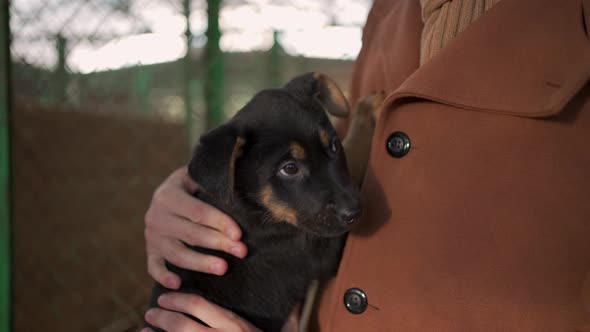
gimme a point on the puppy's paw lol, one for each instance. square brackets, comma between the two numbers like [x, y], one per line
[370, 105]
[357, 143]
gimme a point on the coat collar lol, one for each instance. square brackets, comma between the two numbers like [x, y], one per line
[523, 57]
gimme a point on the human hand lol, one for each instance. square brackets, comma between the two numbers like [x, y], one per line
[211, 314]
[175, 215]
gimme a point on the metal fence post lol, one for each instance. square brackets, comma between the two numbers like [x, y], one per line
[5, 240]
[214, 64]
[61, 73]
[143, 76]
[188, 100]
[275, 61]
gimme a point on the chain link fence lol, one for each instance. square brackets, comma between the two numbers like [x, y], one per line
[88, 148]
[92, 136]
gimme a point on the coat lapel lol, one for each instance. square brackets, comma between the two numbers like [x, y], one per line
[527, 58]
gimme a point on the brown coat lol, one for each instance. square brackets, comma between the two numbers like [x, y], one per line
[485, 224]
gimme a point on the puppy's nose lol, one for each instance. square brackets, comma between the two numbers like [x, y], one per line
[349, 215]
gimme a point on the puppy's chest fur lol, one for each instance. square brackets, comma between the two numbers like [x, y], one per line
[264, 287]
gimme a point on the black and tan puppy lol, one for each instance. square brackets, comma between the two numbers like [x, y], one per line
[278, 168]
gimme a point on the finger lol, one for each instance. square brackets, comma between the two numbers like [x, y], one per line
[172, 321]
[205, 237]
[181, 256]
[197, 306]
[155, 263]
[198, 235]
[161, 247]
[181, 177]
[187, 182]
[184, 205]
[157, 270]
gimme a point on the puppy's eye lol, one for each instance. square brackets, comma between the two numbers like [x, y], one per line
[289, 169]
[335, 145]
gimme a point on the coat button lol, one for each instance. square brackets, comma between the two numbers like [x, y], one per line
[355, 300]
[398, 144]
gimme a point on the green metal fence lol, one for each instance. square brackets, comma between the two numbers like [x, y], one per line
[89, 146]
[5, 244]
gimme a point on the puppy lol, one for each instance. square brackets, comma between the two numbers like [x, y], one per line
[278, 168]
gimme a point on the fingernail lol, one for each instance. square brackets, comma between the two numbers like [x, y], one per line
[164, 300]
[150, 314]
[171, 282]
[236, 251]
[217, 268]
[232, 234]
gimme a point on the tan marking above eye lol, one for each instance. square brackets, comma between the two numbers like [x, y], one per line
[279, 210]
[325, 138]
[297, 151]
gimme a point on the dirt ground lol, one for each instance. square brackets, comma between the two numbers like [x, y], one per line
[81, 184]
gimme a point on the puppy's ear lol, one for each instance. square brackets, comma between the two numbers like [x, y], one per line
[213, 165]
[324, 90]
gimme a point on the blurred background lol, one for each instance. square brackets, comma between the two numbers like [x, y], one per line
[99, 101]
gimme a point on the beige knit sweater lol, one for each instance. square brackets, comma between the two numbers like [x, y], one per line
[445, 19]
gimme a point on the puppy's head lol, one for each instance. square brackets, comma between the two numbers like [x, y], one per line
[281, 156]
